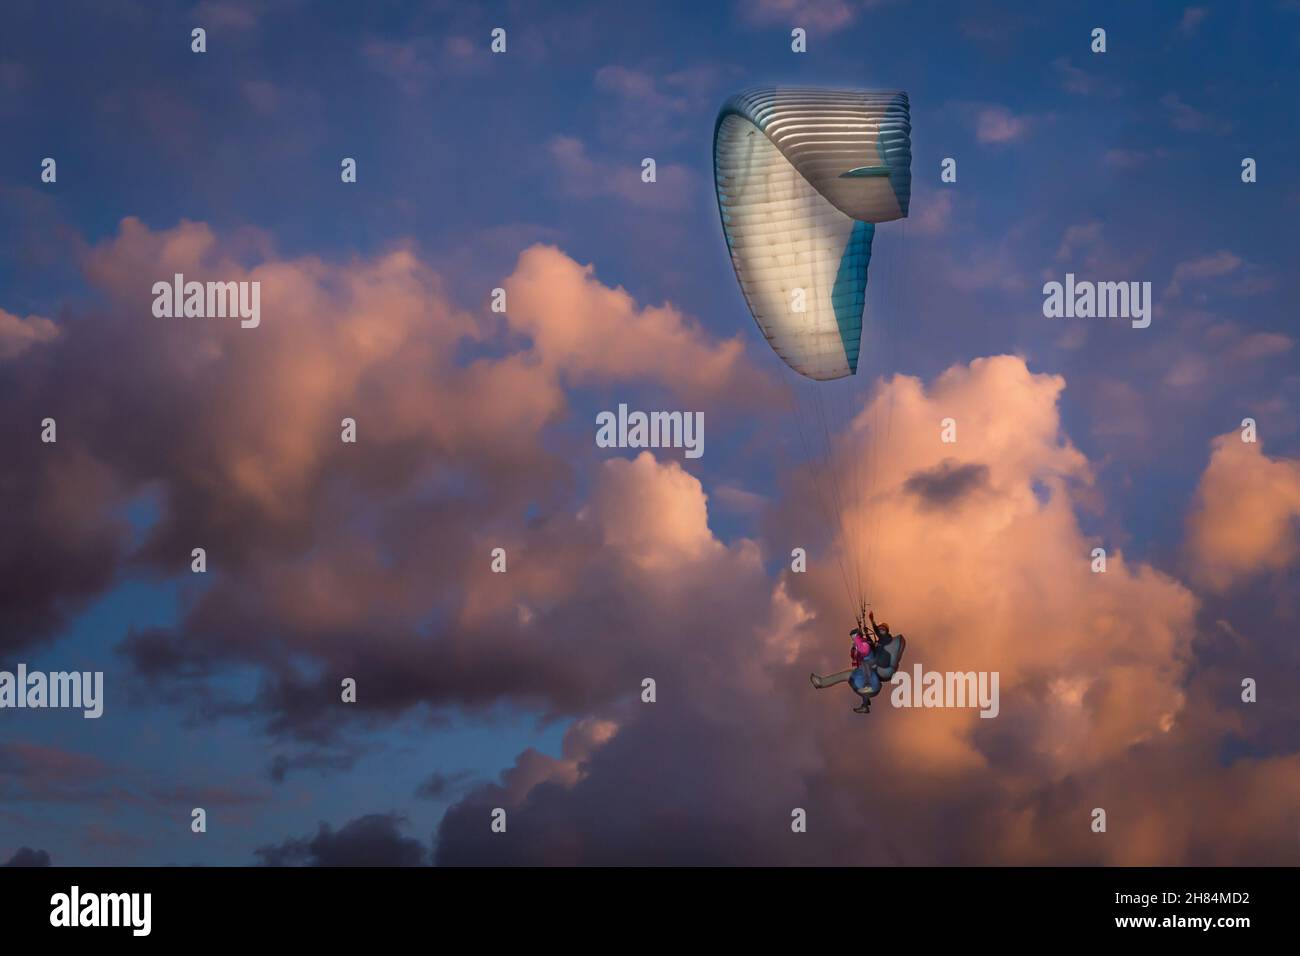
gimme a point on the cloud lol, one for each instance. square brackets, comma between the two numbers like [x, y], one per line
[1132, 158]
[988, 266]
[588, 332]
[629, 491]
[1189, 119]
[47, 777]
[822, 15]
[646, 108]
[235, 15]
[1189, 370]
[1244, 518]
[440, 786]
[1077, 237]
[48, 768]
[997, 125]
[654, 97]
[1192, 19]
[320, 760]
[1119, 409]
[1214, 265]
[371, 561]
[636, 86]
[14, 81]
[17, 334]
[261, 95]
[947, 483]
[454, 451]
[59, 536]
[155, 114]
[582, 177]
[1085, 250]
[1083, 82]
[932, 213]
[1095, 695]
[1261, 345]
[738, 499]
[26, 856]
[416, 63]
[373, 840]
[410, 63]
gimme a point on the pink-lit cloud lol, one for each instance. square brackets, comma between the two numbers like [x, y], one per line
[18, 334]
[372, 561]
[1245, 516]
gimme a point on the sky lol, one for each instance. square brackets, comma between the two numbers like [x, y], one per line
[522, 691]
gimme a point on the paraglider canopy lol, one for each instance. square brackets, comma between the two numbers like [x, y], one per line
[802, 177]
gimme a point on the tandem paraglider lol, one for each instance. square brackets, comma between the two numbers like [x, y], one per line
[876, 653]
[803, 178]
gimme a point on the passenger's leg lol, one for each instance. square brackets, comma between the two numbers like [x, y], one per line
[829, 679]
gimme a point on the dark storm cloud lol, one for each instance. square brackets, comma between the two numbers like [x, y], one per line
[439, 785]
[319, 760]
[948, 483]
[675, 786]
[26, 856]
[372, 840]
[60, 541]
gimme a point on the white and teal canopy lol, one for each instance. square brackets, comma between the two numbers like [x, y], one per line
[803, 176]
